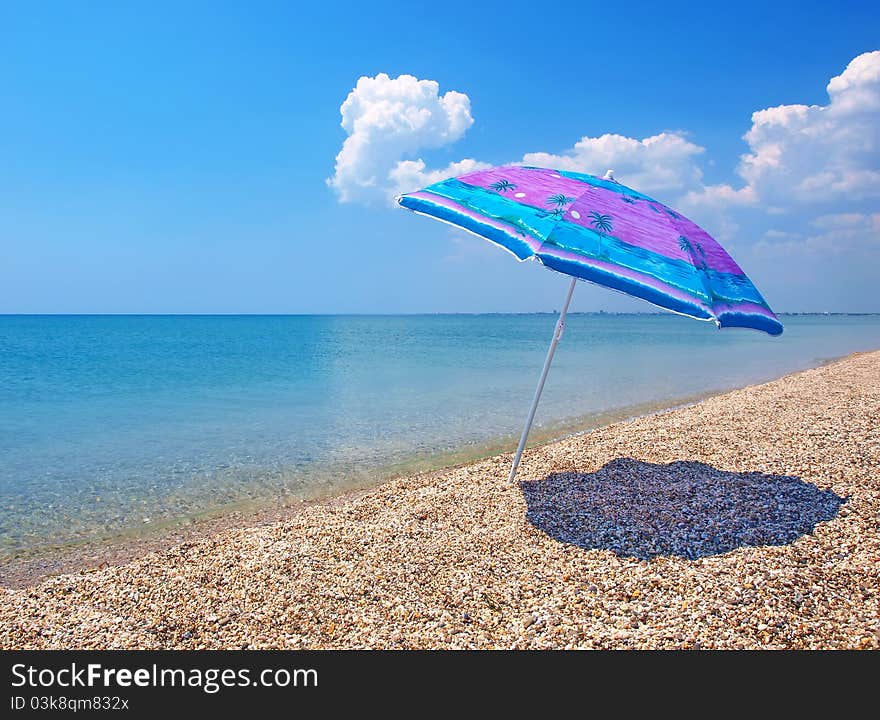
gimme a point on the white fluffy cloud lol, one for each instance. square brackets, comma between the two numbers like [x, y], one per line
[720, 196]
[799, 211]
[386, 120]
[664, 163]
[408, 175]
[813, 154]
[806, 165]
[389, 121]
[811, 177]
[837, 233]
[840, 232]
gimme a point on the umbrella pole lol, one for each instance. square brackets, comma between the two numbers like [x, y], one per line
[557, 336]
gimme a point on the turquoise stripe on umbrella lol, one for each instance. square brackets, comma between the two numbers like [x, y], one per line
[603, 232]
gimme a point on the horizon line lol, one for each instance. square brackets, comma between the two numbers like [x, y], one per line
[391, 314]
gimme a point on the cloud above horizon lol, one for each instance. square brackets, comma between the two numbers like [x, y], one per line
[388, 119]
[804, 163]
[808, 159]
[814, 153]
[662, 162]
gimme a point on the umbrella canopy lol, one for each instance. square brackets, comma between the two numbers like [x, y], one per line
[598, 230]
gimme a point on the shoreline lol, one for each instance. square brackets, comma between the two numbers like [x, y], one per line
[747, 520]
[33, 566]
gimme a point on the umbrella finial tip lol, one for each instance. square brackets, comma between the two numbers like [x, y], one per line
[609, 175]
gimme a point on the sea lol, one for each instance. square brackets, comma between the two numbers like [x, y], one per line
[119, 424]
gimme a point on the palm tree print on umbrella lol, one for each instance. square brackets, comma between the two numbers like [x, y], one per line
[699, 262]
[560, 200]
[502, 186]
[695, 252]
[628, 199]
[685, 245]
[602, 225]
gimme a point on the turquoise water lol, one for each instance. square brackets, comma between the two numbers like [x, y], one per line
[113, 423]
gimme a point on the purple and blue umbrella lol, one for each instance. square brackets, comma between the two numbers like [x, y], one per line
[598, 230]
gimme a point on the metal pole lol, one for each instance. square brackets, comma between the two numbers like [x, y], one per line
[557, 335]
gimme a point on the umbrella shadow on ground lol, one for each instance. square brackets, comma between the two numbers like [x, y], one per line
[687, 509]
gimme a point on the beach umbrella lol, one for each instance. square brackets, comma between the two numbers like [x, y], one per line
[598, 230]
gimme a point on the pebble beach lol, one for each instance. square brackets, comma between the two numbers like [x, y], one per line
[748, 520]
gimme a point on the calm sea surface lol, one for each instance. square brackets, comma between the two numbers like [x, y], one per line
[110, 424]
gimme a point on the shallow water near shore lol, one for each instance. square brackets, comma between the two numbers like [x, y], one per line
[118, 424]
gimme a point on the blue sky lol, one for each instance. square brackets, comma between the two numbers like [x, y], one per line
[159, 158]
